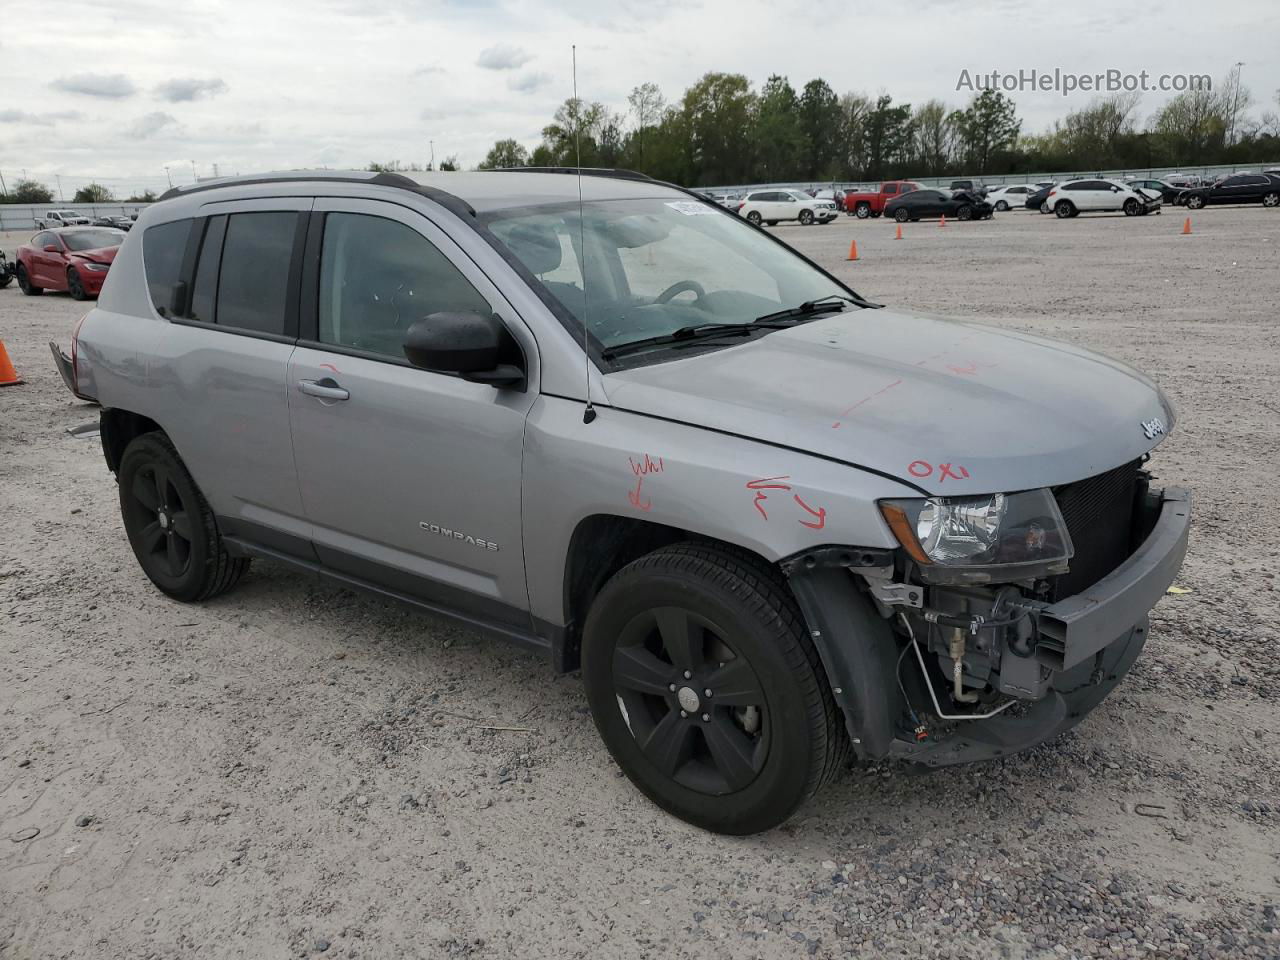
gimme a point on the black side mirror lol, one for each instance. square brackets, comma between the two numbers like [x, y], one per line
[471, 345]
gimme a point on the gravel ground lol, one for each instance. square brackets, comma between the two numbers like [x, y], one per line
[295, 770]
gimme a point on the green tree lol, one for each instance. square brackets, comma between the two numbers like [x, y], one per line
[933, 137]
[1192, 127]
[505, 153]
[92, 193]
[819, 115]
[147, 196]
[647, 108]
[449, 164]
[29, 191]
[779, 139]
[718, 110]
[887, 133]
[986, 127]
[573, 133]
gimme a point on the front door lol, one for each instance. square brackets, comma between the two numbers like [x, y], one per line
[411, 479]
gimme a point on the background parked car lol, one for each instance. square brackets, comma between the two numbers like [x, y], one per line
[976, 187]
[74, 259]
[862, 204]
[61, 218]
[1261, 188]
[1074, 197]
[1010, 197]
[774, 206]
[1168, 192]
[962, 205]
[1037, 200]
[6, 271]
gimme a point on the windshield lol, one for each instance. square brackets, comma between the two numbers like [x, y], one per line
[655, 266]
[92, 239]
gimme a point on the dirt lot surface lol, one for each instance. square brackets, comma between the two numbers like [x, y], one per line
[293, 770]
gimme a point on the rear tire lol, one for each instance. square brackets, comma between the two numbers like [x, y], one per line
[1195, 202]
[25, 284]
[170, 525]
[772, 734]
[1064, 209]
[754, 218]
[772, 223]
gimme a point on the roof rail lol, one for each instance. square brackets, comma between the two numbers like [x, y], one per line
[614, 172]
[296, 176]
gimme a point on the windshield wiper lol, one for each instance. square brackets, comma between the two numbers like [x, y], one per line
[702, 331]
[827, 304]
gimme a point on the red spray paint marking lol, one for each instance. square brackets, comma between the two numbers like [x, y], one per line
[923, 468]
[852, 407]
[820, 513]
[768, 483]
[643, 469]
[329, 366]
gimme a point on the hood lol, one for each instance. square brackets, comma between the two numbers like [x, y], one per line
[98, 254]
[949, 407]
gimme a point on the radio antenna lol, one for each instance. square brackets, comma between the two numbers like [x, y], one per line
[589, 413]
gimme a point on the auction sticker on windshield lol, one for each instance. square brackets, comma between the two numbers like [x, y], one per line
[691, 208]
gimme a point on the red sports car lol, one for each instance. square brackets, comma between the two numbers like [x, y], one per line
[74, 259]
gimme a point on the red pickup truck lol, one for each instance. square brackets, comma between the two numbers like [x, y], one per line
[863, 205]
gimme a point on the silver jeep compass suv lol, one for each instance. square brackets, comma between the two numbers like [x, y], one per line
[607, 418]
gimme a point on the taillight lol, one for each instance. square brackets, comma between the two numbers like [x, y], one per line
[75, 349]
[741, 204]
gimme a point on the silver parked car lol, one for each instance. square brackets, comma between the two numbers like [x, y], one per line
[772, 524]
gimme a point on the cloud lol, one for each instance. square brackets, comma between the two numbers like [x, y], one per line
[40, 119]
[111, 86]
[151, 124]
[181, 89]
[529, 82]
[427, 70]
[503, 57]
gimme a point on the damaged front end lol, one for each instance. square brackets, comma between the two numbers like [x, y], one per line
[943, 661]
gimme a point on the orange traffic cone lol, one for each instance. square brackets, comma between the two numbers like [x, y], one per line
[942, 222]
[899, 236]
[1186, 227]
[8, 375]
[853, 250]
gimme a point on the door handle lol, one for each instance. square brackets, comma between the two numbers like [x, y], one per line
[326, 389]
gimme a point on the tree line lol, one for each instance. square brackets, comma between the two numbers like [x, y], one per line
[34, 192]
[723, 131]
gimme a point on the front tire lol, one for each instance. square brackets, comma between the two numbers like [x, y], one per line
[862, 211]
[1132, 207]
[75, 286]
[693, 618]
[901, 215]
[1271, 200]
[25, 284]
[806, 218]
[1001, 206]
[170, 525]
[965, 212]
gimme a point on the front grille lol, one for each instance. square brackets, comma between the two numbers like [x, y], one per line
[1099, 516]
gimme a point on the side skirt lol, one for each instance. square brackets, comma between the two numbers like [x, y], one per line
[544, 637]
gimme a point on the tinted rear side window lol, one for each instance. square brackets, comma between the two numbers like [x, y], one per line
[163, 247]
[206, 279]
[253, 282]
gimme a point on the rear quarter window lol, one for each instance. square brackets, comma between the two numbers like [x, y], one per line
[163, 247]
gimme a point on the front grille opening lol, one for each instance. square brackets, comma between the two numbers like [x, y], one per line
[1099, 513]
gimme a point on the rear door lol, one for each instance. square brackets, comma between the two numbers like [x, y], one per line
[410, 478]
[221, 366]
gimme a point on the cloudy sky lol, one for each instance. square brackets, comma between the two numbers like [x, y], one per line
[134, 85]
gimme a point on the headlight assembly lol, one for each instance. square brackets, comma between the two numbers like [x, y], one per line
[96, 267]
[1000, 536]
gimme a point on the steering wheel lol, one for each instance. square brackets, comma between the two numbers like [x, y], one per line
[684, 286]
